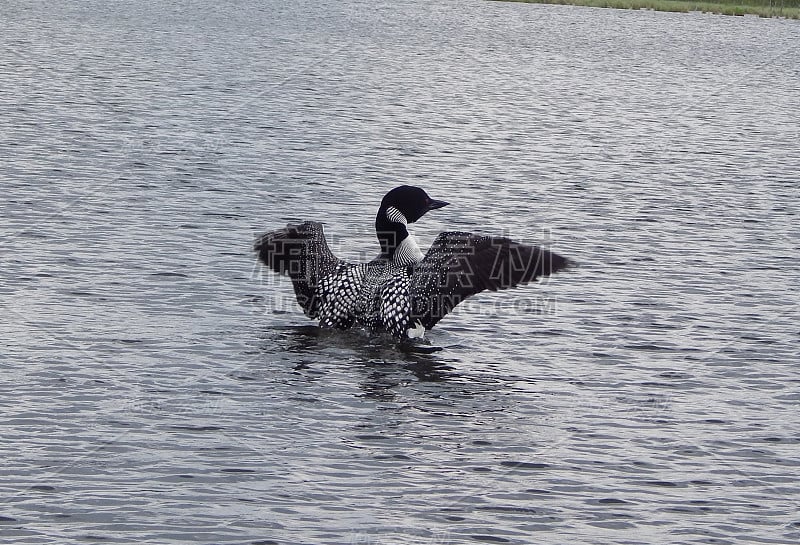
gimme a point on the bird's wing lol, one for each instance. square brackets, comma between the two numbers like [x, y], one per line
[302, 252]
[459, 265]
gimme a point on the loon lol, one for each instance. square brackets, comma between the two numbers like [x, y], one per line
[402, 291]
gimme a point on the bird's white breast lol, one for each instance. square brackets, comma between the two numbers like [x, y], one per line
[408, 252]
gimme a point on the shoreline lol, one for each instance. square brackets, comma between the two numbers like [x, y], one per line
[789, 9]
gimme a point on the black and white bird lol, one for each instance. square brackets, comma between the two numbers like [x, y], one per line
[402, 291]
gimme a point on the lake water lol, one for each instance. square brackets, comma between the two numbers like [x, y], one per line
[159, 387]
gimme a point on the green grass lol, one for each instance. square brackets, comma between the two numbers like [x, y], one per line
[763, 8]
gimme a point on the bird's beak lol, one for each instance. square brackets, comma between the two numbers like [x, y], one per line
[434, 204]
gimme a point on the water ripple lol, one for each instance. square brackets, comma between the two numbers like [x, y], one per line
[159, 387]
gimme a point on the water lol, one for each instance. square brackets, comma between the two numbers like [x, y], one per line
[158, 387]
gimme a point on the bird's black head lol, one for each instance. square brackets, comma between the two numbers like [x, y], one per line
[399, 207]
[411, 202]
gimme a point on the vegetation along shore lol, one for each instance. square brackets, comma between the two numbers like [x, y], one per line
[763, 8]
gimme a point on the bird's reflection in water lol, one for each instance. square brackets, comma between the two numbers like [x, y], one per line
[387, 363]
